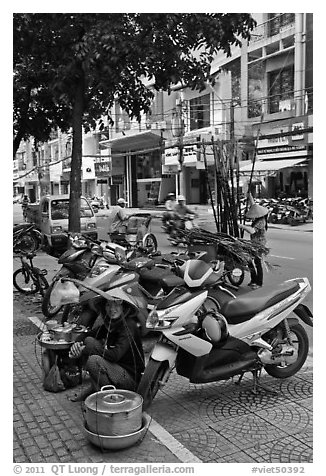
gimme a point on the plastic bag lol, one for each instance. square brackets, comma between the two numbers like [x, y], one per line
[52, 381]
[64, 293]
[70, 376]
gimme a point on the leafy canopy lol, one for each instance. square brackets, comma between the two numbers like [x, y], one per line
[113, 53]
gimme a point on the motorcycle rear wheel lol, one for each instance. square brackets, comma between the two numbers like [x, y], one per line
[24, 282]
[299, 339]
[28, 243]
[48, 310]
[150, 381]
[150, 242]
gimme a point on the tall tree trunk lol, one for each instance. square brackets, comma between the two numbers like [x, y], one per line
[76, 157]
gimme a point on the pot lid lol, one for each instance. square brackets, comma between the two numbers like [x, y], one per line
[113, 401]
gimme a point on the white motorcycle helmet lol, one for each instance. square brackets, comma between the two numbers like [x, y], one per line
[215, 328]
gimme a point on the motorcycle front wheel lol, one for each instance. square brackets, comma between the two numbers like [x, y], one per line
[150, 381]
[300, 341]
[48, 310]
[24, 282]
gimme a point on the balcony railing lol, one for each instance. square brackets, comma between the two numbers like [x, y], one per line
[273, 26]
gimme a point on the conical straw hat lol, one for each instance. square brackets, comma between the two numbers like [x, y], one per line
[256, 211]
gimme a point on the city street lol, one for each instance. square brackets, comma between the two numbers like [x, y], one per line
[188, 421]
[208, 115]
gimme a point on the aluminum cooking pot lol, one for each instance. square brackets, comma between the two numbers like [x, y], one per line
[61, 333]
[77, 331]
[113, 412]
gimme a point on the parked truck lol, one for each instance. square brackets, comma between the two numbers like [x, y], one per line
[51, 215]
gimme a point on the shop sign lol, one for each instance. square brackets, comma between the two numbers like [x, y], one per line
[171, 157]
[274, 141]
[190, 154]
[275, 150]
[117, 180]
[170, 169]
[102, 169]
[296, 127]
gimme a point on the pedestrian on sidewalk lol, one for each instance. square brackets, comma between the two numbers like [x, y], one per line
[258, 214]
[111, 353]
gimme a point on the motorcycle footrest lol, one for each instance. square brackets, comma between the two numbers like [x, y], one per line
[228, 370]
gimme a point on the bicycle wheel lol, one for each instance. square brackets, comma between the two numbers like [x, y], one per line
[43, 284]
[24, 282]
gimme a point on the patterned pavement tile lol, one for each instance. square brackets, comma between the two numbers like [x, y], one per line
[306, 403]
[298, 387]
[291, 418]
[208, 445]
[238, 457]
[282, 450]
[248, 430]
[173, 416]
[214, 409]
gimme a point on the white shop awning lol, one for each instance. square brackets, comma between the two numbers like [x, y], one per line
[271, 165]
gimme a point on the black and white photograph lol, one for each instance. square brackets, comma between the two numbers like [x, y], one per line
[162, 183]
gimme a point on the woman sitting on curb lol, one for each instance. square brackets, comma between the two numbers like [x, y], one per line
[112, 353]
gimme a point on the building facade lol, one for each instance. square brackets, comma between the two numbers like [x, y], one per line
[261, 103]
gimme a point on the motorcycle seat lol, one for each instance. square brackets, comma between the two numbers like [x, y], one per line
[161, 276]
[21, 226]
[243, 308]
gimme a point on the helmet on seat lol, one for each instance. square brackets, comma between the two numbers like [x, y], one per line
[215, 328]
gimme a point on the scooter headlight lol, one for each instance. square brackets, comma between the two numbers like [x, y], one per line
[97, 270]
[152, 320]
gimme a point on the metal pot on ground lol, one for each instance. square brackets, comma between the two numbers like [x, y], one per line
[113, 412]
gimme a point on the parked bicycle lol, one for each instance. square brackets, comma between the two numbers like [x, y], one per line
[30, 279]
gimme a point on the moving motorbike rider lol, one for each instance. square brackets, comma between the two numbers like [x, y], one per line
[112, 353]
[170, 204]
[181, 210]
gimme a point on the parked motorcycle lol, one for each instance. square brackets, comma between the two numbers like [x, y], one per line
[153, 279]
[26, 238]
[76, 261]
[251, 332]
[103, 270]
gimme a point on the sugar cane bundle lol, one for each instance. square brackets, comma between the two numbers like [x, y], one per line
[235, 250]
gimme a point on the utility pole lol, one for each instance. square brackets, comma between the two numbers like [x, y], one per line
[178, 132]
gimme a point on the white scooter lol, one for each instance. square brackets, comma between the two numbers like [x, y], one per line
[251, 332]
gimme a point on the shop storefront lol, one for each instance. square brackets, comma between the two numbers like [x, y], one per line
[283, 165]
[136, 167]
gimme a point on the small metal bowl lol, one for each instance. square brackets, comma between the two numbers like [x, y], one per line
[119, 442]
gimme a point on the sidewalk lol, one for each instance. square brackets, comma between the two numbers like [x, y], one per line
[48, 427]
[217, 423]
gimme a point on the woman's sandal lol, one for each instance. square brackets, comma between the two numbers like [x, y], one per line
[82, 395]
